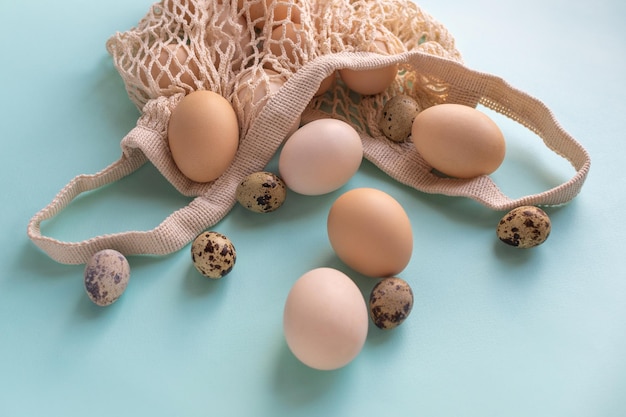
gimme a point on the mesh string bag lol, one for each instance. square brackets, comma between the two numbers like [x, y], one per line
[269, 58]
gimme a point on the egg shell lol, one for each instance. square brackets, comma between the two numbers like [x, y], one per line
[261, 192]
[273, 12]
[396, 120]
[320, 157]
[213, 254]
[285, 41]
[524, 227]
[106, 276]
[371, 81]
[325, 320]
[203, 135]
[458, 140]
[256, 86]
[326, 84]
[370, 232]
[390, 303]
[231, 29]
[170, 65]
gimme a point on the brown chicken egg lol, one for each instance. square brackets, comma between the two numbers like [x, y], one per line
[457, 140]
[371, 81]
[203, 135]
[370, 232]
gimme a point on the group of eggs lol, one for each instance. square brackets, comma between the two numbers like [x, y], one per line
[204, 127]
[203, 131]
[203, 134]
[281, 21]
[326, 317]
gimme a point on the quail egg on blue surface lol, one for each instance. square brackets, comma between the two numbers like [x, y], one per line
[106, 276]
[524, 227]
[213, 254]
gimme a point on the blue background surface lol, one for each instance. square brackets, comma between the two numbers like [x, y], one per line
[494, 331]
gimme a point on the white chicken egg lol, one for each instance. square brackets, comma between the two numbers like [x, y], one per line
[325, 319]
[320, 157]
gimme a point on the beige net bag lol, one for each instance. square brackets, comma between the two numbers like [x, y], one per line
[272, 79]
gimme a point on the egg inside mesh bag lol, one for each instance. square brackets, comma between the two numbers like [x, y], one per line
[186, 45]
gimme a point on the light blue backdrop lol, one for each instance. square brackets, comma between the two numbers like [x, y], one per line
[494, 331]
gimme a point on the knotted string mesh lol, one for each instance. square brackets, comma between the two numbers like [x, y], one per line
[256, 45]
[269, 59]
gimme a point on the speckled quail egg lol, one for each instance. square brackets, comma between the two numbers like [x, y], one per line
[397, 118]
[391, 301]
[213, 254]
[261, 192]
[524, 227]
[106, 276]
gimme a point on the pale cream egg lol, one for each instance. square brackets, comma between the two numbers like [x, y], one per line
[320, 157]
[325, 319]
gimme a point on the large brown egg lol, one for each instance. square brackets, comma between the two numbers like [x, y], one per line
[203, 135]
[370, 232]
[458, 140]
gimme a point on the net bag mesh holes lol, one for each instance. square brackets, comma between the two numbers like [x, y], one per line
[271, 79]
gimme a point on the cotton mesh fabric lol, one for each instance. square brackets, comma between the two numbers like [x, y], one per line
[184, 46]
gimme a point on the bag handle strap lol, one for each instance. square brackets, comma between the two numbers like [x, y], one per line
[172, 234]
[65, 252]
[472, 87]
[469, 87]
[147, 142]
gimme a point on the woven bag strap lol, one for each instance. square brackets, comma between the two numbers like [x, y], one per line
[147, 142]
[470, 87]
[69, 252]
[169, 236]
[266, 134]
